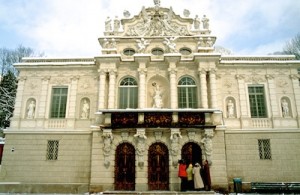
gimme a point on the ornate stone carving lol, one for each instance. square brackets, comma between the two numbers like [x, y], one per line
[142, 44]
[140, 147]
[171, 45]
[156, 23]
[174, 138]
[207, 143]
[107, 141]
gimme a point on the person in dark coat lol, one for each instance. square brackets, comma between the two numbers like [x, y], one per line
[206, 175]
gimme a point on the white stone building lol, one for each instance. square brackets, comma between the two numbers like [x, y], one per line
[157, 93]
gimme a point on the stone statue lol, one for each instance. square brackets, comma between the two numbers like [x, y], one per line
[108, 24]
[157, 97]
[126, 14]
[230, 109]
[116, 24]
[170, 42]
[186, 13]
[285, 108]
[205, 22]
[142, 44]
[31, 110]
[197, 23]
[157, 3]
[85, 111]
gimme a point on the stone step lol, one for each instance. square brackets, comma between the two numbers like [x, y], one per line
[156, 193]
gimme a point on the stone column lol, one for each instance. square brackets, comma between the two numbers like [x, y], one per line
[101, 90]
[213, 88]
[203, 84]
[142, 88]
[73, 92]
[173, 88]
[111, 89]
[273, 99]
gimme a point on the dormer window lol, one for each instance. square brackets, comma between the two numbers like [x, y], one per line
[157, 51]
[185, 51]
[129, 52]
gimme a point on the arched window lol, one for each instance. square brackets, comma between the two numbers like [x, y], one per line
[128, 93]
[187, 93]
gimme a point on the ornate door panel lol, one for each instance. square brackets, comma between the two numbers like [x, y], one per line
[158, 167]
[191, 153]
[125, 167]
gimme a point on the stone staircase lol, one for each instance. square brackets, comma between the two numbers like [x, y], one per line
[156, 193]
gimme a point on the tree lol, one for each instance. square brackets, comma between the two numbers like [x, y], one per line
[293, 47]
[8, 80]
[8, 89]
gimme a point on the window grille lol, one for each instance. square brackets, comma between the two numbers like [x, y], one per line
[257, 102]
[52, 150]
[264, 147]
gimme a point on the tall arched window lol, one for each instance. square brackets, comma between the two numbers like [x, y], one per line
[128, 93]
[187, 93]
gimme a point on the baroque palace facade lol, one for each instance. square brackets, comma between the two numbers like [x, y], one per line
[157, 93]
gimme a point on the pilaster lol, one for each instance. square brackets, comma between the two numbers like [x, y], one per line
[203, 84]
[213, 88]
[101, 90]
[73, 92]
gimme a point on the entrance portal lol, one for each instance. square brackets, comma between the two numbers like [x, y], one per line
[125, 167]
[158, 167]
[191, 153]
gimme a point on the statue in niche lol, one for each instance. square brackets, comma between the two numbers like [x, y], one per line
[142, 44]
[157, 97]
[85, 110]
[230, 109]
[197, 23]
[108, 24]
[205, 22]
[116, 24]
[31, 110]
[285, 108]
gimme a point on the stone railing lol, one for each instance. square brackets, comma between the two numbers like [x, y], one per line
[56, 123]
[261, 123]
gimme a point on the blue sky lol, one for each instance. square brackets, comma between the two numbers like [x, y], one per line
[70, 28]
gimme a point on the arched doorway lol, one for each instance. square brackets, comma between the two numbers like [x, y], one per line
[125, 167]
[191, 153]
[158, 167]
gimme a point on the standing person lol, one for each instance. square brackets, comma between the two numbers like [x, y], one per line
[183, 175]
[189, 172]
[198, 183]
[206, 176]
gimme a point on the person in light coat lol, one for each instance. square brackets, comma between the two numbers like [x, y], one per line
[198, 183]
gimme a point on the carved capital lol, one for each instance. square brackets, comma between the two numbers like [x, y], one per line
[294, 76]
[142, 71]
[239, 77]
[75, 78]
[269, 77]
[172, 70]
[202, 71]
[22, 78]
[46, 78]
